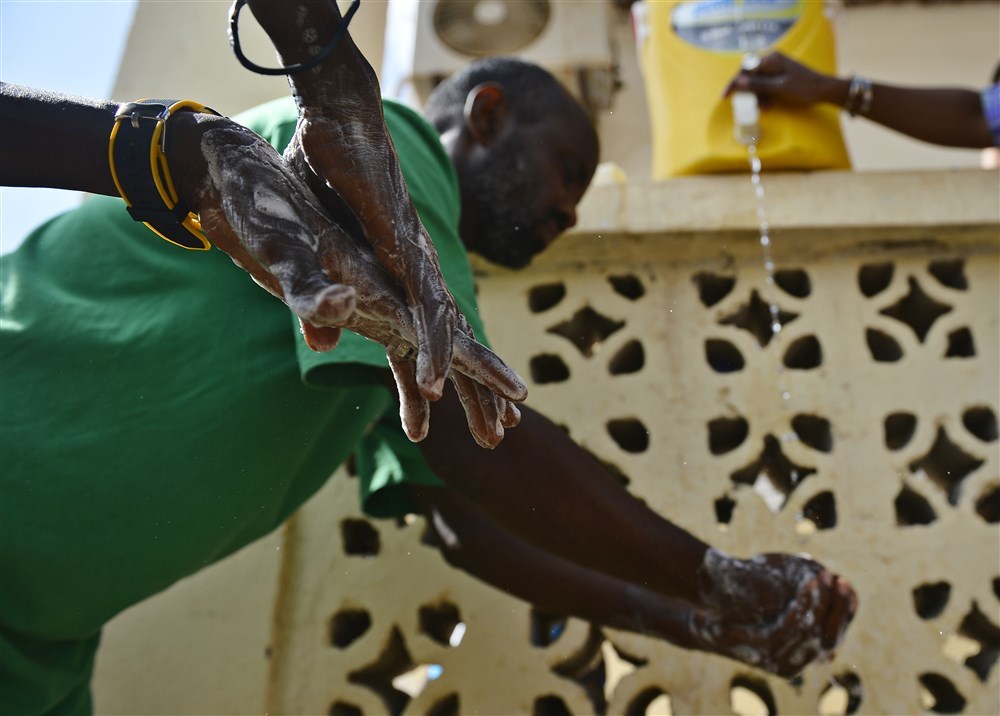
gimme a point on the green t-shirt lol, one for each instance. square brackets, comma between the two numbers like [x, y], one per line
[160, 411]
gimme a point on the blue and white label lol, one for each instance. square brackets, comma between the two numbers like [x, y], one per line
[735, 25]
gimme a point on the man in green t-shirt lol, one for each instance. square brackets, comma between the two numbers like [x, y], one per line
[160, 412]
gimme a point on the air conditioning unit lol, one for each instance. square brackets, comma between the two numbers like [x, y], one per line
[427, 40]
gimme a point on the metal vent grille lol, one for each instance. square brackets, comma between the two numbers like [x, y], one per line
[490, 27]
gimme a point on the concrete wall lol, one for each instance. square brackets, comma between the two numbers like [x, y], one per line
[637, 384]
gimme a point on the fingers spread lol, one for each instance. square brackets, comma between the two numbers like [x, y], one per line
[376, 194]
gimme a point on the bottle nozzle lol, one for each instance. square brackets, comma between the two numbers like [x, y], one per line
[750, 61]
[746, 117]
[746, 112]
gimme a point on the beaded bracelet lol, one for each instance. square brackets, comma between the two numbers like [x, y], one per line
[859, 96]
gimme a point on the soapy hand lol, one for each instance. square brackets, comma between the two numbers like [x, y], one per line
[256, 209]
[485, 385]
[343, 152]
[368, 179]
[778, 612]
[811, 626]
[252, 207]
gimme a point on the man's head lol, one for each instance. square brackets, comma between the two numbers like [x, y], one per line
[524, 151]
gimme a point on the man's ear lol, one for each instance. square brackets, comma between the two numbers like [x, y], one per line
[485, 112]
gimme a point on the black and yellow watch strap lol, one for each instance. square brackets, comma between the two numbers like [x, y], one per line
[140, 172]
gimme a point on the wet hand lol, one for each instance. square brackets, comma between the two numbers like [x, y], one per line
[256, 210]
[810, 627]
[362, 179]
[343, 151]
[776, 611]
[488, 387]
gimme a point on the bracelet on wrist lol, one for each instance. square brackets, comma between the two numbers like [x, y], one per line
[859, 96]
[136, 152]
[324, 52]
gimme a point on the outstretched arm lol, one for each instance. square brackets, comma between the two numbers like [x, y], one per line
[553, 512]
[55, 140]
[948, 116]
[61, 141]
[810, 624]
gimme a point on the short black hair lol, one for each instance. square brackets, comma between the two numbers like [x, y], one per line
[531, 90]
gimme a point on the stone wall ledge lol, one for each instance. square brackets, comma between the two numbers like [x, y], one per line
[812, 215]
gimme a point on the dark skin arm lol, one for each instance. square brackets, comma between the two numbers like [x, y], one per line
[538, 466]
[947, 116]
[540, 518]
[812, 623]
[65, 155]
[343, 152]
